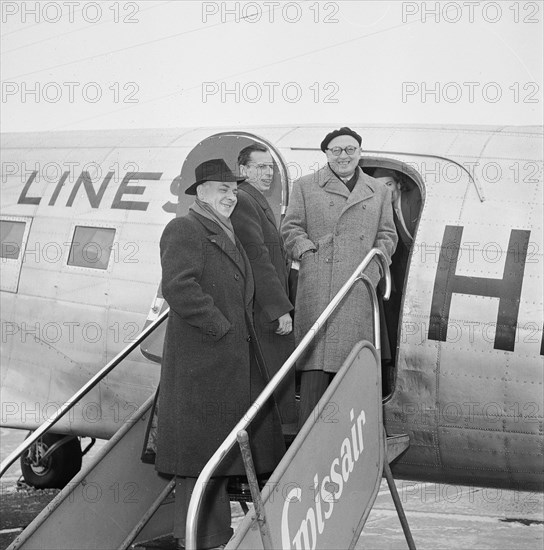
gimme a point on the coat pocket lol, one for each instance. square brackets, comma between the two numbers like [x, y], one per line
[327, 250]
[324, 243]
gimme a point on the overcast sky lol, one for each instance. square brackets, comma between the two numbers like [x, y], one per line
[90, 65]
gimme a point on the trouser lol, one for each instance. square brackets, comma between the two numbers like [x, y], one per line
[213, 527]
[313, 384]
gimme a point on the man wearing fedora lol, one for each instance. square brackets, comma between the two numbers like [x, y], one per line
[212, 369]
[257, 228]
[334, 217]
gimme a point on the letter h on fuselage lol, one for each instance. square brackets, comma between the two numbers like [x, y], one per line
[507, 289]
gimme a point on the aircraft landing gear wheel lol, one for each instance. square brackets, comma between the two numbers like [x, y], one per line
[55, 470]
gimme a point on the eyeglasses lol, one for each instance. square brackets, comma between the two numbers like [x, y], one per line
[337, 151]
[263, 166]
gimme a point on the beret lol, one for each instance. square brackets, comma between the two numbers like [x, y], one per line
[344, 131]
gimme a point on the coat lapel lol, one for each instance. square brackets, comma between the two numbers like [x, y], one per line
[260, 199]
[250, 286]
[402, 230]
[331, 184]
[220, 239]
[363, 190]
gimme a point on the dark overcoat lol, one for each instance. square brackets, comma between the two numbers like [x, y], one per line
[255, 226]
[322, 214]
[209, 376]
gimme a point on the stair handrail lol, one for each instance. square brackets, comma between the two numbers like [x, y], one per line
[67, 406]
[206, 473]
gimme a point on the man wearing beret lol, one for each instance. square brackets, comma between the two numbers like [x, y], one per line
[334, 217]
[212, 369]
[256, 227]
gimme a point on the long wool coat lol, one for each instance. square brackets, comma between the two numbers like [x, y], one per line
[255, 226]
[322, 214]
[209, 375]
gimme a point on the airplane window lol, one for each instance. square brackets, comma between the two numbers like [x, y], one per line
[11, 237]
[91, 247]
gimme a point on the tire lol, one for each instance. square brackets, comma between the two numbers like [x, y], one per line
[57, 469]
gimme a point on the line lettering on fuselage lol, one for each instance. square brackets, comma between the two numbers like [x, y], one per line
[23, 198]
[93, 196]
[507, 289]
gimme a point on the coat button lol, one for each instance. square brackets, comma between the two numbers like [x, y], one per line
[364, 206]
[236, 276]
[331, 203]
[248, 338]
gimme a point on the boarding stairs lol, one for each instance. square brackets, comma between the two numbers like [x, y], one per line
[337, 459]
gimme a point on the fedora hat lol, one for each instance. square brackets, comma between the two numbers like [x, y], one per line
[212, 170]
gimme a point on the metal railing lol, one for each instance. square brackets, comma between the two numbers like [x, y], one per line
[229, 442]
[66, 407]
[196, 498]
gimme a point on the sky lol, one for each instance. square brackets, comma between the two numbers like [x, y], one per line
[74, 65]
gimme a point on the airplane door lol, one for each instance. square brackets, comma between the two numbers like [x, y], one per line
[14, 232]
[224, 145]
[450, 196]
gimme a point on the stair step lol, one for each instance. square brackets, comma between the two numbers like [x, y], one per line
[168, 542]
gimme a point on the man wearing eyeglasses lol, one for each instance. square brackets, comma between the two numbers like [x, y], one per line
[334, 217]
[256, 227]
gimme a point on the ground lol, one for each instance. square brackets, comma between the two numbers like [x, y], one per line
[440, 516]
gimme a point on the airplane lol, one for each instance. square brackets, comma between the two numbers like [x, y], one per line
[81, 217]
